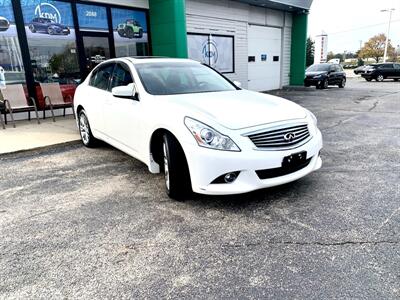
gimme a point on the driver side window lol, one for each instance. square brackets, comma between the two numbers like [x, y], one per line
[121, 76]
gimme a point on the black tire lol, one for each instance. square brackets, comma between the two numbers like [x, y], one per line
[129, 33]
[307, 85]
[379, 78]
[50, 31]
[121, 32]
[325, 84]
[140, 33]
[343, 83]
[368, 79]
[396, 79]
[87, 137]
[176, 170]
[32, 29]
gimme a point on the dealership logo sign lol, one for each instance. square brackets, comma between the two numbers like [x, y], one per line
[48, 11]
[210, 52]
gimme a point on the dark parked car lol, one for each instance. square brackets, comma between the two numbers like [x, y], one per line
[360, 69]
[48, 26]
[323, 75]
[4, 24]
[379, 72]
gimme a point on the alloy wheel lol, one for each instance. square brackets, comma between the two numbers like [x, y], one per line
[166, 166]
[379, 78]
[84, 129]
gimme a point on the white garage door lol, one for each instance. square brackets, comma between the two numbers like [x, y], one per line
[264, 48]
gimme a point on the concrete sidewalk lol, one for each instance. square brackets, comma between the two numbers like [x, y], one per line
[30, 135]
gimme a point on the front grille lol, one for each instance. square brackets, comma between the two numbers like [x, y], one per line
[281, 138]
[282, 171]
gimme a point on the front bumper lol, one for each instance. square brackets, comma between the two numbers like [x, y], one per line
[206, 165]
[367, 75]
[313, 81]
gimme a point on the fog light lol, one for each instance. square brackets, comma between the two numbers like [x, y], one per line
[227, 178]
[230, 177]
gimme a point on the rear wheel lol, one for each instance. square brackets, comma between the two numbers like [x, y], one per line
[379, 78]
[176, 170]
[50, 31]
[343, 83]
[32, 28]
[84, 129]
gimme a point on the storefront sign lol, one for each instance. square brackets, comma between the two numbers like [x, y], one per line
[92, 17]
[48, 11]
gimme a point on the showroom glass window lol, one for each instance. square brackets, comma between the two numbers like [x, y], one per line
[213, 50]
[130, 32]
[92, 17]
[52, 43]
[10, 53]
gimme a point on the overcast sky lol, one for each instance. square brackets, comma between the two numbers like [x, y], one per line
[347, 22]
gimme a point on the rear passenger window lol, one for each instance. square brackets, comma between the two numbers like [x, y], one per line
[101, 78]
[121, 76]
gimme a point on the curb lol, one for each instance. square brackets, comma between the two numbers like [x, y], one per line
[41, 149]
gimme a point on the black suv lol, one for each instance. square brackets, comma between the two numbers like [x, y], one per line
[323, 75]
[379, 72]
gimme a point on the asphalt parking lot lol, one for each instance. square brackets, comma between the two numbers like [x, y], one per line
[94, 223]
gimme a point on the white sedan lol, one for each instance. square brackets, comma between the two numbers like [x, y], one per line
[203, 131]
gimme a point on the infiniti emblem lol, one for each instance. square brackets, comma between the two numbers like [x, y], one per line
[289, 136]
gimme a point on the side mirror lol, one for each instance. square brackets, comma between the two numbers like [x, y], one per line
[237, 83]
[126, 91]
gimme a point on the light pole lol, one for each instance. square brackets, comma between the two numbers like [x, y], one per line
[388, 31]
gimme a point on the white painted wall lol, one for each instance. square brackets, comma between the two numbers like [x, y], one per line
[133, 3]
[232, 18]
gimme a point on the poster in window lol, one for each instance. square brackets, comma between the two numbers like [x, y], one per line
[214, 50]
[130, 32]
[11, 65]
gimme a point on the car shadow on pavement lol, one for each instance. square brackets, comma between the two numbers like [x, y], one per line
[289, 193]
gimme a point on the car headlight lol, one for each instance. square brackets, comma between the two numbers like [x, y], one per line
[208, 137]
[312, 116]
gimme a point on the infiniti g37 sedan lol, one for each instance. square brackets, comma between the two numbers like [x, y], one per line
[201, 130]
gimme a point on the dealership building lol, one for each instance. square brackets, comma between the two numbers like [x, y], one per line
[261, 43]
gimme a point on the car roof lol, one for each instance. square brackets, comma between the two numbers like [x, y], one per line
[154, 59]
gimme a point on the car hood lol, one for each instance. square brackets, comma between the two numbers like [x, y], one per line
[238, 109]
[57, 25]
[315, 73]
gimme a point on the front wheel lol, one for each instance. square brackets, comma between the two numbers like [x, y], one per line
[368, 79]
[176, 170]
[84, 129]
[379, 78]
[129, 33]
[343, 83]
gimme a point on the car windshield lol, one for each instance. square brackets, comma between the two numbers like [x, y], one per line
[318, 68]
[171, 78]
[48, 21]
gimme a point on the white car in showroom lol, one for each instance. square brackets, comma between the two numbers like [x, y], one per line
[203, 131]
